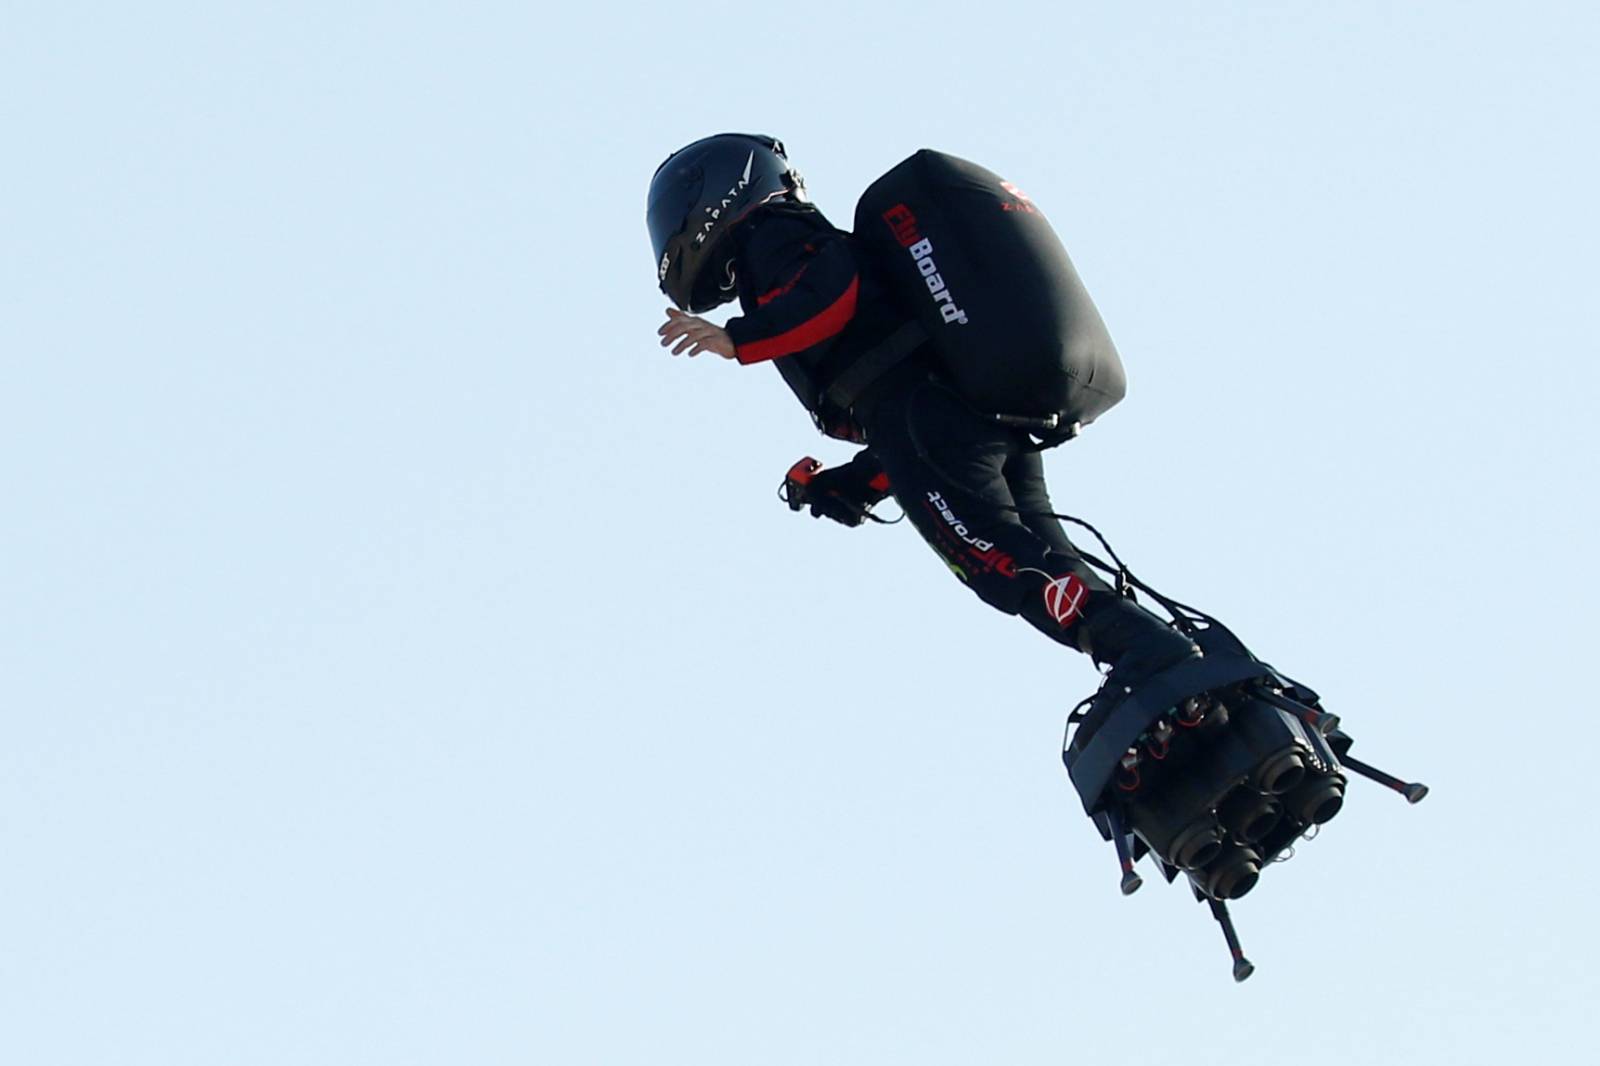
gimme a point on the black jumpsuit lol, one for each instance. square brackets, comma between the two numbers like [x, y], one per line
[973, 488]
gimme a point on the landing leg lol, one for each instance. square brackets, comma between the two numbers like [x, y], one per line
[1413, 791]
[1119, 836]
[1242, 967]
[1323, 722]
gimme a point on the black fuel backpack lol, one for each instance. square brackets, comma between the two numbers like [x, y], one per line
[975, 265]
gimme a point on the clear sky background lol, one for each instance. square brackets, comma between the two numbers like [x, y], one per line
[403, 660]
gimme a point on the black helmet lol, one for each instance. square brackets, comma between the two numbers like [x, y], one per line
[696, 198]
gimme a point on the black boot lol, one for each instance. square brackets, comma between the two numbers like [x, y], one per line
[1134, 643]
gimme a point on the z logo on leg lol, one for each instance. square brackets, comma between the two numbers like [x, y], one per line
[1064, 597]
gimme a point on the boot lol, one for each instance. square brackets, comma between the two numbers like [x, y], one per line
[1134, 643]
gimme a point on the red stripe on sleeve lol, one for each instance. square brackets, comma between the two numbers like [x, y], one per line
[814, 330]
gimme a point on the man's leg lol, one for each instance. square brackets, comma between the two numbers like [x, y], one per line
[1115, 631]
[947, 466]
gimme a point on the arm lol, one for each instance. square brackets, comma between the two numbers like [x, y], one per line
[866, 470]
[798, 286]
[805, 303]
[845, 493]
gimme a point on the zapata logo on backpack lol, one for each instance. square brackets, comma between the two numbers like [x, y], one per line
[1020, 201]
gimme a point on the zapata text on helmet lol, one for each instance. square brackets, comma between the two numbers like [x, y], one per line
[904, 225]
[731, 195]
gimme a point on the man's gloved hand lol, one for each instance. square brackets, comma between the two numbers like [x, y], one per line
[845, 493]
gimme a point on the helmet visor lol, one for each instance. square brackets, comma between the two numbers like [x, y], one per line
[673, 195]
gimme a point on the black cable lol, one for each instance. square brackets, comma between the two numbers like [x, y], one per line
[1184, 615]
[1179, 611]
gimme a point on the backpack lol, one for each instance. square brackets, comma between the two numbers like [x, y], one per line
[975, 264]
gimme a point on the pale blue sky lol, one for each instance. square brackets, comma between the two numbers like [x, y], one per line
[402, 660]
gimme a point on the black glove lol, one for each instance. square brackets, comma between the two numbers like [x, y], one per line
[845, 493]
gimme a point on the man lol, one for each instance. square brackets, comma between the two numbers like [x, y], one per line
[729, 218]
